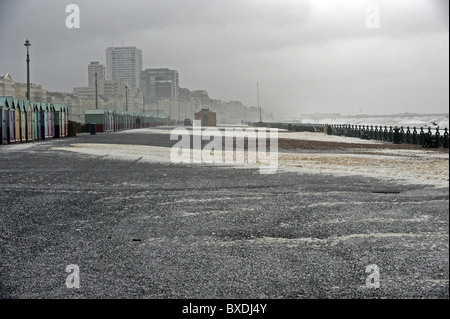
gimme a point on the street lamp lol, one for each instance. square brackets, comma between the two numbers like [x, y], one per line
[96, 99]
[28, 45]
[257, 98]
[126, 98]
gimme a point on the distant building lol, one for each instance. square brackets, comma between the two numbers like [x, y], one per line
[159, 84]
[206, 117]
[7, 85]
[37, 93]
[201, 95]
[105, 88]
[113, 88]
[88, 92]
[93, 68]
[184, 95]
[124, 63]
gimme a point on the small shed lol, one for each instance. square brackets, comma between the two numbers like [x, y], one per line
[99, 117]
[206, 117]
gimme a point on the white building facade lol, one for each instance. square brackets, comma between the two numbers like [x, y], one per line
[95, 68]
[7, 85]
[124, 63]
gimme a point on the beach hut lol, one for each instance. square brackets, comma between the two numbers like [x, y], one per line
[29, 121]
[124, 121]
[120, 120]
[141, 118]
[132, 121]
[1, 119]
[57, 119]
[137, 120]
[64, 122]
[49, 120]
[4, 119]
[22, 121]
[66, 107]
[52, 122]
[114, 123]
[114, 116]
[12, 119]
[111, 120]
[41, 121]
[36, 127]
[107, 121]
[10, 115]
[44, 106]
[16, 120]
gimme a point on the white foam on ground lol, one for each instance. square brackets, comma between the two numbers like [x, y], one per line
[17, 147]
[404, 166]
[425, 168]
[294, 242]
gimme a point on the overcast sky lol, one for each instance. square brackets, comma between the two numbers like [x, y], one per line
[307, 56]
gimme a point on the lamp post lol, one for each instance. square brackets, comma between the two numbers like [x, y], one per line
[27, 45]
[126, 98]
[96, 99]
[257, 98]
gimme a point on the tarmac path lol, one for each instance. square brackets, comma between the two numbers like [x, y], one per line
[139, 229]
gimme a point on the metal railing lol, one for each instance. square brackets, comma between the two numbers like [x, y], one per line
[427, 137]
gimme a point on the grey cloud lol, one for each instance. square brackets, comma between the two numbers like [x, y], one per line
[306, 55]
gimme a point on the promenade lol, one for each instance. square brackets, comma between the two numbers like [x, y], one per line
[138, 226]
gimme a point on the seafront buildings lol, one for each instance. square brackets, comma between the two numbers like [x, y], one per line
[124, 63]
[158, 84]
[95, 68]
[123, 86]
